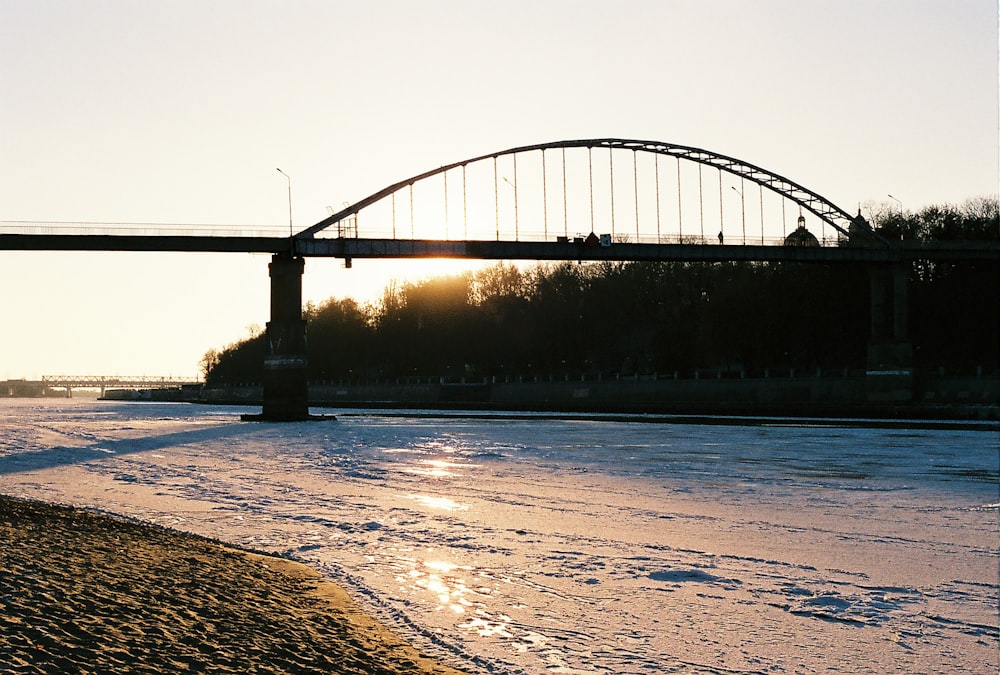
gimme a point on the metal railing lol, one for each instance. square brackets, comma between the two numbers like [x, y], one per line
[104, 381]
[523, 235]
[140, 229]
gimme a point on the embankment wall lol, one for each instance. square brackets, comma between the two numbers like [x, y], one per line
[933, 395]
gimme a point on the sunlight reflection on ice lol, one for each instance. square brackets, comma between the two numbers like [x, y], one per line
[557, 546]
[433, 468]
[441, 582]
[442, 503]
[437, 468]
[486, 628]
[441, 566]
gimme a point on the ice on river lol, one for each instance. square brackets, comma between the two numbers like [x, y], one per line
[510, 545]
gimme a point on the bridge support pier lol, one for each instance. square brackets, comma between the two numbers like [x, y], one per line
[286, 391]
[890, 353]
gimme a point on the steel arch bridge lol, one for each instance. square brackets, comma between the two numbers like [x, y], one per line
[600, 195]
[647, 193]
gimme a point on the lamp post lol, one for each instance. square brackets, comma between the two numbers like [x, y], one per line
[743, 209]
[288, 178]
[900, 216]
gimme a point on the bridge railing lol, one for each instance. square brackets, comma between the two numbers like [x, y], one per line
[374, 232]
[646, 191]
[104, 381]
[140, 229]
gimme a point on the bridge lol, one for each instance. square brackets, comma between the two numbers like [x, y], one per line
[591, 199]
[101, 382]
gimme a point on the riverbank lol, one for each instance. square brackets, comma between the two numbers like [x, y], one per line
[86, 593]
[558, 544]
[817, 395]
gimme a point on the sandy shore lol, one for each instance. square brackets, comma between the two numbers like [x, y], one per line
[83, 593]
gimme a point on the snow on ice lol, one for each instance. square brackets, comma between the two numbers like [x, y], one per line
[511, 544]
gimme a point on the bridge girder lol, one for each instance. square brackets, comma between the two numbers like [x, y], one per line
[816, 204]
[361, 248]
[102, 381]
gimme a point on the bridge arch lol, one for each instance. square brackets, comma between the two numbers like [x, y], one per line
[828, 212]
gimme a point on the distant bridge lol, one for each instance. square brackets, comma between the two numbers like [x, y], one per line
[104, 382]
[590, 199]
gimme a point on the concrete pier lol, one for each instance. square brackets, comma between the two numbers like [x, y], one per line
[890, 352]
[286, 393]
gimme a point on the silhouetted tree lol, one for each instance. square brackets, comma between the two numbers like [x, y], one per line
[568, 319]
[340, 339]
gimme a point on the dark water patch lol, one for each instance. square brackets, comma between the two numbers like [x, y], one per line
[796, 590]
[829, 602]
[366, 475]
[974, 629]
[686, 576]
[833, 618]
[975, 474]
[838, 474]
[488, 454]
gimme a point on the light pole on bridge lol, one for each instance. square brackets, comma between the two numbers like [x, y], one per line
[285, 387]
[743, 210]
[900, 215]
[289, 179]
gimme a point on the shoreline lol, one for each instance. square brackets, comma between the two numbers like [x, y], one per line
[869, 418]
[516, 546]
[956, 400]
[666, 418]
[93, 592]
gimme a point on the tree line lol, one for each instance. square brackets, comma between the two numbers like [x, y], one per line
[618, 318]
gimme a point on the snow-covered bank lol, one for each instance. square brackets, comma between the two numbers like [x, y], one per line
[582, 545]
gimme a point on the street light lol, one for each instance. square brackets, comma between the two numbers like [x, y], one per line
[743, 209]
[288, 178]
[900, 216]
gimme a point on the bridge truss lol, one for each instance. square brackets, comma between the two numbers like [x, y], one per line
[615, 199]
[619, 187]
[104, 382]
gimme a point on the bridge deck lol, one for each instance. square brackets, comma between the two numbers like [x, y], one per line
[106, 381]
[139, 242]
[571, 250]
[505, 250]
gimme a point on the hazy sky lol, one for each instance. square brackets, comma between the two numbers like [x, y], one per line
[179, 112]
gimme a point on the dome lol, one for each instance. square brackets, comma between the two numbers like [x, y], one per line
[801, 236]
[860, 231]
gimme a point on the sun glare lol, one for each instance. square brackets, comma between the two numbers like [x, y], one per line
[441, 503]
[368, 280]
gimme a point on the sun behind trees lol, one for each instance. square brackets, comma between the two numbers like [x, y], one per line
[608, 319]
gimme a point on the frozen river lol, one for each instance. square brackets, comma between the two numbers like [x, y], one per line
[512, 545]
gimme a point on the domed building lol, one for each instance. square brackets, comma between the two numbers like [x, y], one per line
[801, 236]
[861, 232]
